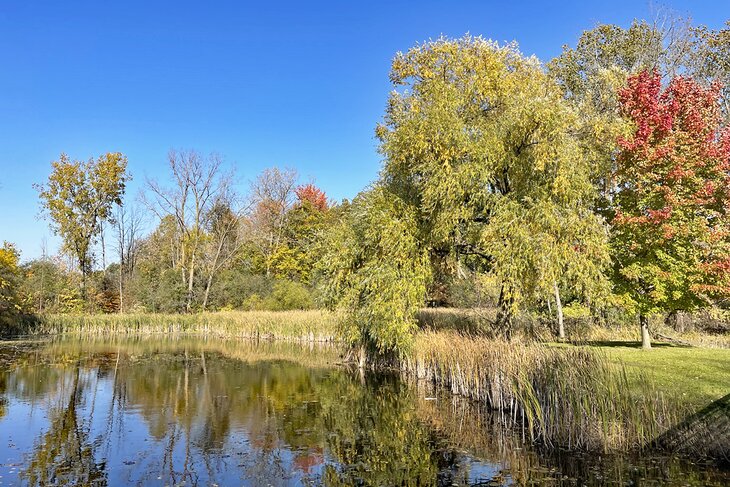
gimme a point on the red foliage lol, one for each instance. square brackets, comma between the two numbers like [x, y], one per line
[313, 195]
[305, 462]
[678, 149]
[674, 169]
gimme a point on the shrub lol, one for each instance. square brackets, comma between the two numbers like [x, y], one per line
[289, 295]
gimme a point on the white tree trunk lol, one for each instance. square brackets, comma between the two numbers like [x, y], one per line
[559, 310]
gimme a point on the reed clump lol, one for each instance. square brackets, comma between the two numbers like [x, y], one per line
[306, 326]
[573, 398]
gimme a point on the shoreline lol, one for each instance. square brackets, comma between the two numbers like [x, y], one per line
[542, 387]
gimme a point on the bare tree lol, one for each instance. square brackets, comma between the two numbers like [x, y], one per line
[225, 238]
[128, 227]
[677, 42]
[272, 196]
[198, 182]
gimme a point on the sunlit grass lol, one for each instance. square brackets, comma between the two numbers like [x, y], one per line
[690, 376]
[696, 376]
[311, 325]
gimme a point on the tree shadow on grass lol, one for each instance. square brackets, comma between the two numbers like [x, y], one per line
[704, 433]
[631, 344]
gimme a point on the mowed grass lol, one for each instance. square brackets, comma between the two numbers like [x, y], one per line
[691, 376]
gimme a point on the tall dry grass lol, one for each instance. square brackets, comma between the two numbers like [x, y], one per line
[314, 326]
[534, 327]
[572, 398]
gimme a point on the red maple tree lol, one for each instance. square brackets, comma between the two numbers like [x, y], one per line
[313, 195]
[671, 226]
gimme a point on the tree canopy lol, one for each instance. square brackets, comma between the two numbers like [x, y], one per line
[671, 232]
[477, 141]
[79, 197]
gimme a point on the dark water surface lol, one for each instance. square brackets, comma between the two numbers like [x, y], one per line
[191, 411]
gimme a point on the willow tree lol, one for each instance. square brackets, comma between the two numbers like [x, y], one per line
[478, 140]
[376, 273]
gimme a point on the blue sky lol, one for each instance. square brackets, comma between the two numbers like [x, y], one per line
[296, 84]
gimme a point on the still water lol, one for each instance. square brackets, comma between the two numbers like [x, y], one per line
[209, 412]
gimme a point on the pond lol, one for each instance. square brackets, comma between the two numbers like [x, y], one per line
[193, 411]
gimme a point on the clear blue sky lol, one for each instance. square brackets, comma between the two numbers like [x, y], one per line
[298, 84]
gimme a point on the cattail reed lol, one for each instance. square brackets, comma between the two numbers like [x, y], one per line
[305, 326]
[573, 398]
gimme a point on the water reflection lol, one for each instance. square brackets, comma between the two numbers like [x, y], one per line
[198, 412]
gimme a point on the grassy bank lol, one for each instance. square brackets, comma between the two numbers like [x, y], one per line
[691, 376]
[313, 326]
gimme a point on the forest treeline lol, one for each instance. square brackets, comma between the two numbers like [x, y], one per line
[596, 184]
[210, 248]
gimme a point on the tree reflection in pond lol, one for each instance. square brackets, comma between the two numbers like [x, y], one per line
[195, 412]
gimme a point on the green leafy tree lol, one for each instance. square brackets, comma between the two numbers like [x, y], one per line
[303, 225]
[671, 224]
[711, 61]
[582, 70]
[376, 272]
[592, 73]
[479, 143]
[79, 197]
[52, 286]
[156, 284]
[199, 183]
[224, 239]
[11, 302]
[272, 197]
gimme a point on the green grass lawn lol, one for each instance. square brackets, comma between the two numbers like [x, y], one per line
[694, 376]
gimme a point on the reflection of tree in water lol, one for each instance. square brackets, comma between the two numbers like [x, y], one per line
[211, 417]
[195, 403]
[65, 455]
[3, 389]
[377, 439]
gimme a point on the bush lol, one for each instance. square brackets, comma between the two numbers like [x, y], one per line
[236, 289]
[289, 295]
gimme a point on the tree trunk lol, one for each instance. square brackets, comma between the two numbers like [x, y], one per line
[207, 290]
[559, 310]
[191, 276]
[121, 286]
[103, 250]
[43, 287]
[83, 287]
[645, 338]
[504, 316]
[675, 320]
[213, 269]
